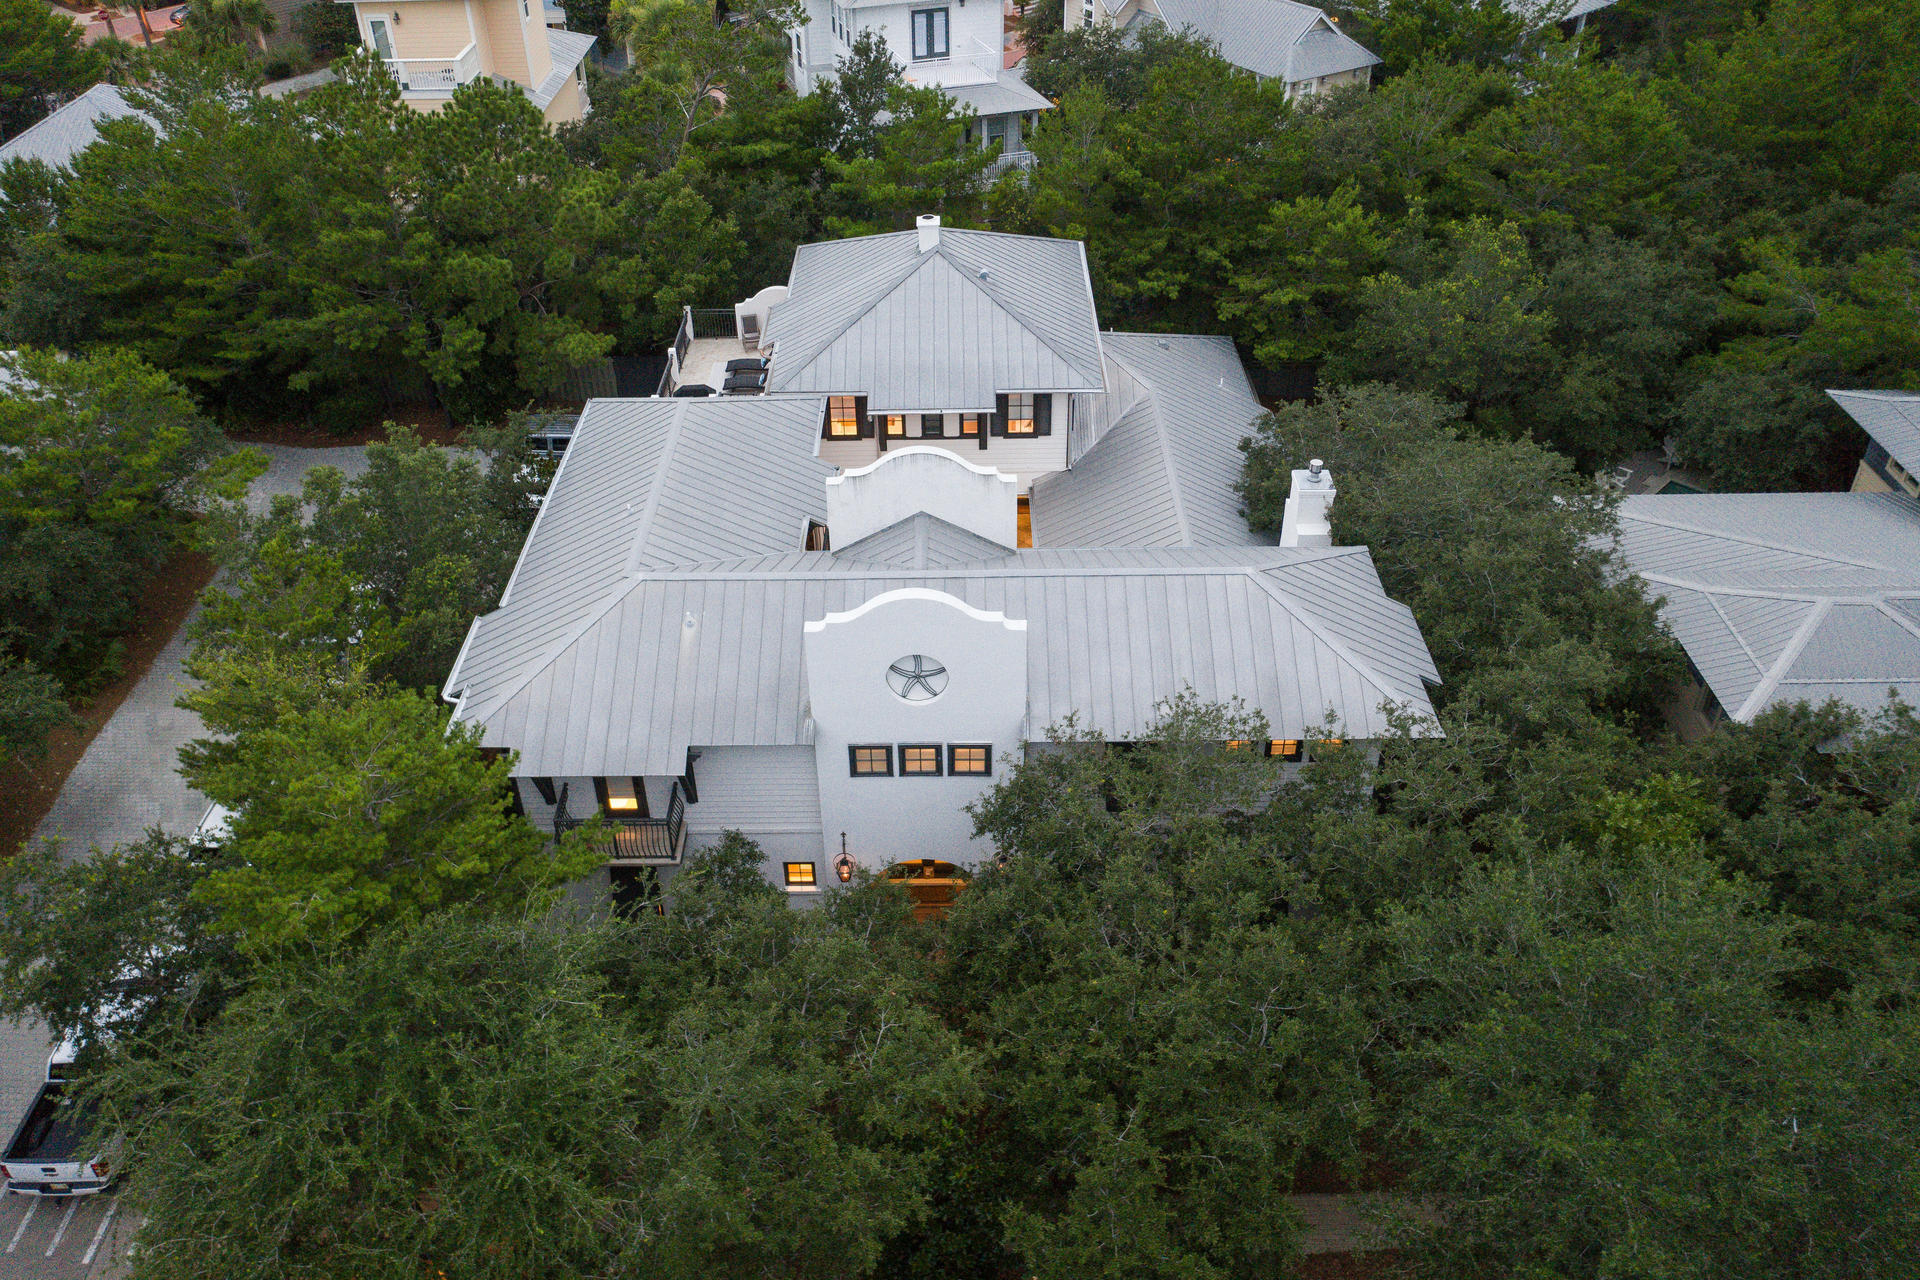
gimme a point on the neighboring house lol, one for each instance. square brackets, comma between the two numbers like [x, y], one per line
[806, 617]
[56, 140]
[958, 50]
[1891, 420]
[1779, 597]
[1560, 11]
[1296, 44]
[432, 47]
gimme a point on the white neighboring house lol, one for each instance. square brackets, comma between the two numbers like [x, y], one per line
[71, 129]
[1296, 44]
[828, 626]
[1784, 597]
[943, 44]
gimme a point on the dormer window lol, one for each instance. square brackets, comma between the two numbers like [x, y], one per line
[1020, 415]
[1025, 414]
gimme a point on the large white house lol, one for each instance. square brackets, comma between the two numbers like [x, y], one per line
[831, 615]
[956, 48]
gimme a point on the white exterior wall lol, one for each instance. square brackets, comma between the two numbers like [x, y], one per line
[893, 819]
[912, 479]
[771, 795]
[974, 40]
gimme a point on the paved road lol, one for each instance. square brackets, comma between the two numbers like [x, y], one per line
[124, 784]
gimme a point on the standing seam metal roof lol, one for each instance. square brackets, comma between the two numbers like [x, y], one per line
[1163, 472]
[980, 314]
[1892, 418]
[1278, 39]
[1778, 597]
[72, 128]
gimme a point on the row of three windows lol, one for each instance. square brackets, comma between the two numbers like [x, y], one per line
[920, 759]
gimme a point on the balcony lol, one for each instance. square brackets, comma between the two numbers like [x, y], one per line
[968, 62]
[631, 841]
[435, 77]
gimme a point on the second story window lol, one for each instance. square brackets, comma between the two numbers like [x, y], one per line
[894, 424]
[921, 760]
[929, 34]
[1020, 415]
[843, 418]
[970, 759]
[870, 761]
[970, 423]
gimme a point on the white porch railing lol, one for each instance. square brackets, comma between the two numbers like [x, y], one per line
[1014, 160]
[436, 75]
[972, 63]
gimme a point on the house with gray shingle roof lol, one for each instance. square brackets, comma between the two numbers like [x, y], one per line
[730, 614]
[71, 129]
[1296, 44]
[1788, 597]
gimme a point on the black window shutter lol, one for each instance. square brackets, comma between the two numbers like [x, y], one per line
[999, 415]
[640, 797]
[600, 793]
[1043, 414]
[545, 787]
[826, 421]
[687, 786]
[860, 416]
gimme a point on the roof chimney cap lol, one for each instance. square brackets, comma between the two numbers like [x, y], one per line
[1314, 467]
[928, 225]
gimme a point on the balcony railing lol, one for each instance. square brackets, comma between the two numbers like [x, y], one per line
[1014, 160]
[966, 63]
[436, 75]
[634, 841]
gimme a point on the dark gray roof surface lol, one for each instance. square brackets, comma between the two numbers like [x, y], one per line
[70, 130]
[1164, 451]
[1275, 38]
[1892, 418]
[1779, 597]
[980, 314]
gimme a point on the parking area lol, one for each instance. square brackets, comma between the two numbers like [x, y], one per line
[79, 1238]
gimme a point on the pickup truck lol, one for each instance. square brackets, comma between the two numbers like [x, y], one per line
[55, 1151]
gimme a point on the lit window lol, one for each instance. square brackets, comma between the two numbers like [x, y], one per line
[970, 423]
[921, 760]
[843, 417]
[871, 762]
[973, 760]
[1020, 414]
[621, 796]
[800, 874]
[895, 424]
[1238, 744]
[1284, 748]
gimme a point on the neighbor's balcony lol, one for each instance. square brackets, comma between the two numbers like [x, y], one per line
[631, 841]
[967, 62]
[436, 77]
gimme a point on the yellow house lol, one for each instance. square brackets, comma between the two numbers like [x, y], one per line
[432, 47]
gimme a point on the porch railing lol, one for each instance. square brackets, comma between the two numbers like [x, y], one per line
[1014, 160]
[436, 75]
[634, 841]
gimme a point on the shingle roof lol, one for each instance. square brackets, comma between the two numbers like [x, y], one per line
[712, 655]
[566, 48]
[980, 314]
[56, 140]
[1778, 597]
[1559, 10]
[1275, 38]
[1164, 455]
[1892, 418]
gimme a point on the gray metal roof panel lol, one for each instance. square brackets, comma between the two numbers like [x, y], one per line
[999, 97]
[71, 128]
[1892, 418]
[1265, 36]
[921, 542]
[714, 657]
[1163, 473]
[875, 316]
[567, 49]
[1782, 596]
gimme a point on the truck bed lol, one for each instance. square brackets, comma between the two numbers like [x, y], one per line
[54, 1131]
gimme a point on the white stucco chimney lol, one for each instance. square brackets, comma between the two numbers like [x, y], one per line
[1307, 522]
[928, 224]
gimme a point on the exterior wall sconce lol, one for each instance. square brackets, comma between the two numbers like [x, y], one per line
[843, 865]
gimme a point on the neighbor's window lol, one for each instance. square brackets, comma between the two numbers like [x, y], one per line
[843, 417]
[800, 874]
[920, 759]
[1284, 748]
[975, 760]
[871, 761]
[1020, 414]
[929, 34]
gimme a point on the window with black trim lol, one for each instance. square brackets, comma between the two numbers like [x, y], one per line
[973, 760]
[1019, 414]
[843, 418]
[870, 761]
[894, 424]
[1285, 748]
[623, 797]
[970, 423]
[920, 760]
[933, 425]
[800, 875]
[929, 34]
